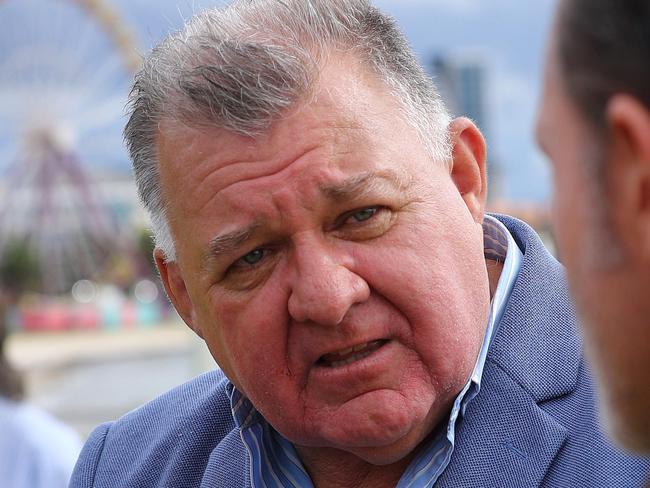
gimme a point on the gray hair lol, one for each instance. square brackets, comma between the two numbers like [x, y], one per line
[241, 67]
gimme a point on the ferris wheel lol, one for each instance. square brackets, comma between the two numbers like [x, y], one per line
[65, 71]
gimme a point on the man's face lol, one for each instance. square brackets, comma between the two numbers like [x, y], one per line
[335, 271]
[609, 291]
[571, 148]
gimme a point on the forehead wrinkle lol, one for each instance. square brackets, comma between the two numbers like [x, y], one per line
[228, 242]
[367, 182]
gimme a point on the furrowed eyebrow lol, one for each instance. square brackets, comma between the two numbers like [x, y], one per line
[364, 183]
[227, 243]
[355, 186]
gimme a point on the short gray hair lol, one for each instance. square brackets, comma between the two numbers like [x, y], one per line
[241, 67]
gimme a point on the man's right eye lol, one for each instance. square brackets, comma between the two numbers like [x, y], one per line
[251, 259]
[251, 269]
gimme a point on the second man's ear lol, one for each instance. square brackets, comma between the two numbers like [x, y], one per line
[628, 172]
[468, 170]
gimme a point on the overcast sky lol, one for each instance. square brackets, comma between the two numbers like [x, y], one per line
[508, 34]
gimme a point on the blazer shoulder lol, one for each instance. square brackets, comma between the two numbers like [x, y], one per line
[539, 326]
[200, 401]
[166, 442]
[83, 475]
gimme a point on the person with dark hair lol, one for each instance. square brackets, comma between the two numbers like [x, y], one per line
[36, 450]
[319, 221]
[11, 385]
[594, 125]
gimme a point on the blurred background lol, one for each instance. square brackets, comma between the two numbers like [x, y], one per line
[91, 329]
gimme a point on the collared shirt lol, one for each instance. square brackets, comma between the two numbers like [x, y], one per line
[273, 459]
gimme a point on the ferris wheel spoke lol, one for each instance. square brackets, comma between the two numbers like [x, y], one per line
[63, 86]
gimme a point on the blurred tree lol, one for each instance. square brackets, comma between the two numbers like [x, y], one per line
[146, 246]
[11, 384]
[20, 269]
[19, 272]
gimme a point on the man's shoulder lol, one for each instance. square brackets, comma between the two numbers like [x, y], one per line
[168, 441]
[539, 325]
[201, 400]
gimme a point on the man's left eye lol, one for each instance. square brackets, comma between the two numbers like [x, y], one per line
[364, 223]
[363, 214]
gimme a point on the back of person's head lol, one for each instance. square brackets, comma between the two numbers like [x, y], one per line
[604, 49]
[11, 385]
[595, 123]
[242, 67]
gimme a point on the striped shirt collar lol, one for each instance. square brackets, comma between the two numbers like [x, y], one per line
[274, 462]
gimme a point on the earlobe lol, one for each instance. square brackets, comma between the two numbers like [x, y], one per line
[172, 279]
[468, 169]
[628, 171]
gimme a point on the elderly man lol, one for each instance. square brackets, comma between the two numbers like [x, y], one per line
[320, 224]
[594, 124]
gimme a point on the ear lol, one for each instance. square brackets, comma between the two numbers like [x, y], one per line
[172, 278]
[468, 170]
[628, 171]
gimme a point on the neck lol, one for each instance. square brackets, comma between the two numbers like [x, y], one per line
[333, 468]
[494, 269]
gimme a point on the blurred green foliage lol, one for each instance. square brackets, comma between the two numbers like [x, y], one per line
[146, 246]
[20, 269]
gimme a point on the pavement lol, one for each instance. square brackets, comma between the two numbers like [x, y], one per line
[88, 377]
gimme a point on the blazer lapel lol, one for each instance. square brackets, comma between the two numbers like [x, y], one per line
[504, 439]
[228, 464]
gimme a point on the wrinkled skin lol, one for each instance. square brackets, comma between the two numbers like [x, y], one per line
[334, 229]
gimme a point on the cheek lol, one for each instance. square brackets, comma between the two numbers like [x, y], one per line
[438, 283]
[249, 335]
[571, 213]
[562, 221]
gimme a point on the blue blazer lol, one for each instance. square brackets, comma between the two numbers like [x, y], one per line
[533, 424]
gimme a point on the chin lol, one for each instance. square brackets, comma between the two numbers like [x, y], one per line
[393, 451]
[372, 447]
[375, 449]
[629, 428]
[628, 438]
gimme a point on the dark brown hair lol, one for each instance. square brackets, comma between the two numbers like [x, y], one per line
[604, 49]
[11, 385]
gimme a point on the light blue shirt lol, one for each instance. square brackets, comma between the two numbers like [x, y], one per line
[36, 450]
[273, 459]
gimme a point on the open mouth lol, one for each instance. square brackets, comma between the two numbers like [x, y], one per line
[349, 355]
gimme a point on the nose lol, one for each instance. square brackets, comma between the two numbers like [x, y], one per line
[323, 288]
